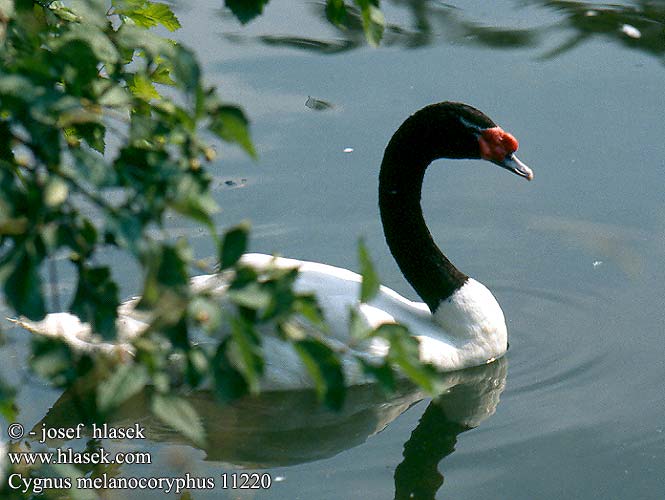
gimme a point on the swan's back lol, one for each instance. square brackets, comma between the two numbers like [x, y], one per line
[448, 339]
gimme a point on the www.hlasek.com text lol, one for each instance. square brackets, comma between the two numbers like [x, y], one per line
[70, 456]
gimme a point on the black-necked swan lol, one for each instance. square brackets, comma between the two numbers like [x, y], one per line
[460, 324]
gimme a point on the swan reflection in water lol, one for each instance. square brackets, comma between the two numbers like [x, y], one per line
[278, 429]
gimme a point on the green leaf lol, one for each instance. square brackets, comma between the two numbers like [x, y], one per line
[373, 21]
[13, 226]
[79, 67]
[336, 12]
[132, 38]
[80, 235]
[197, 366]
[101, 45]
[152, 15]
[54, 360]
[64, 13]
[96, 300]
[234, 244]
[162, 74]
[291, 329]
[92, 133]
[246, 352]
[308, 307]
[8, 408]
[370, 280]
[166, 267]
[19, 87]
[185, 69]
[405, 354]
[125, 230]
[358, 327]
[245, 10]
[23, 285]
[280, 287]
[180, 415]
[142, 87]
[193, 199]
[126, 381]
[325, 370]
[50, 358]
[383, 373]
[230, 124]
[90, 12]
[251, 295]
[229, 382]
[114, 96]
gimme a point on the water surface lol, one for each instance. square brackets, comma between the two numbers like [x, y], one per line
[575, 257]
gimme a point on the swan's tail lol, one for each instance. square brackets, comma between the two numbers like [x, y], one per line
[70, 329]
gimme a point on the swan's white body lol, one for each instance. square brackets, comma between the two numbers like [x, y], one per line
[468, 329]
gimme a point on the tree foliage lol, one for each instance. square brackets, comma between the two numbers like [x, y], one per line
[103, 128]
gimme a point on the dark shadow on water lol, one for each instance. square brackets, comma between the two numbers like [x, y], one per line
[463, 407]
[435, 438]
[638, 26]
[272, 429]
[277, 429]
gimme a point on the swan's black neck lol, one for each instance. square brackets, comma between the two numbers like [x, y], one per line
[437, 131]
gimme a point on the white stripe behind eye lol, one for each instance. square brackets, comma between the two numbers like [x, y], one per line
[470, 125]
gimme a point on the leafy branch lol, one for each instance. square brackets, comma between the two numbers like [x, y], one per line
[95, 152]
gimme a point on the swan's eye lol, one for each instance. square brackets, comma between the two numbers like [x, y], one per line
[495, 144]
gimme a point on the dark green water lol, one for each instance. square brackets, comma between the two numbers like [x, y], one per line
[575, 257]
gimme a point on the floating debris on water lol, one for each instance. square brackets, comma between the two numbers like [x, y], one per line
[317, 104]
[631, 31]
[235, 182]
[597, 263]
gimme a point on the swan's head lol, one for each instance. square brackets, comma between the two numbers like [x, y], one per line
[456, 130]
[498, 146]
[494, 144]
